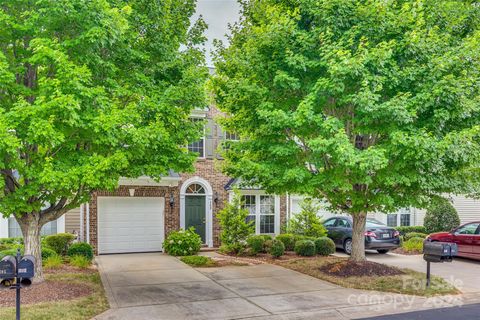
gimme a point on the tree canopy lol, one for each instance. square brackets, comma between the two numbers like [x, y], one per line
[91, 91]
[371, 105]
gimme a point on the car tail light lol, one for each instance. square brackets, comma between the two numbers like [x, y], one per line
[370, 234]
[396, 234]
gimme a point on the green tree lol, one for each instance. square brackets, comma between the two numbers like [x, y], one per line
[370, 105]
[441, 216]
[234, 226]
[307, 222]
[91, 91]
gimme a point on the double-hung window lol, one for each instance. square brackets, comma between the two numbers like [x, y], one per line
[14, 230]
[199, 145]
[263, 211]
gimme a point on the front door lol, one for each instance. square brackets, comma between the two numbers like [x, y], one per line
[195, 214]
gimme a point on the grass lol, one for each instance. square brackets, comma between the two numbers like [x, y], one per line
[78, 309]
[198, 261]
[412, 282]
[81, 262]
[53, 262]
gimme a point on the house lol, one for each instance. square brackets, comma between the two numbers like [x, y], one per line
[138, 215]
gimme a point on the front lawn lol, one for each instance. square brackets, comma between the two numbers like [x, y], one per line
[390, 279]
[68, 293]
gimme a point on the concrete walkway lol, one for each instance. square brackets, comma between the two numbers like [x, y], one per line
[157, 286]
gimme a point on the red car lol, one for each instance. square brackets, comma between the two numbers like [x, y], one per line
[467, 237]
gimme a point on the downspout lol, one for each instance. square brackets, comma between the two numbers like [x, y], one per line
[88, 222]
[288, 208]
[81, 235]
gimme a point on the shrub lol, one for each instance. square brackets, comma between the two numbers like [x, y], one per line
[80, 262]
[47, 253]
[10, 252]
[52, 262]
[11, 241]
[415, 244]
[267, 246]
[298, 237]
[255, 243]
[305, 248]
[59, 242]
[198, 261]
[441, 216]
[288, 240]
[277, 249]
[324, 246]
[183, 243]
[81, 249]
[267, 237]
[409, 229]
[306, 222]
[234, 226]
[237, 249]
[411, 235]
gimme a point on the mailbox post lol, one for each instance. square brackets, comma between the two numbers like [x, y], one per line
[15, 273]
[438, 252]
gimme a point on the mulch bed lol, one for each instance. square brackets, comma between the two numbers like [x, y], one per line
[267, 258]
[227, 260]
[44, 292]
[359, 269]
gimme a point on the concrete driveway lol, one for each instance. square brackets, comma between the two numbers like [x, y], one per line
[157, 286]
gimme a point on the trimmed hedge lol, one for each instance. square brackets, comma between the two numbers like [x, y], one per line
[288, 240]
[47, 253]
[81, 249]
[305, 248]
[324, 246]
[256, 244]
[277, 249]
[411, 235]
[59, 242]
[441, 216]
[409, 229]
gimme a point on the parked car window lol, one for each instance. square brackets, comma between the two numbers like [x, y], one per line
[468, 229]
[330, 223]
[372, 223]
[342, 223]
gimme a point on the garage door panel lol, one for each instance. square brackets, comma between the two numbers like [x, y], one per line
[130, 224]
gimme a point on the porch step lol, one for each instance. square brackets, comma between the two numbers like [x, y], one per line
[207, 249]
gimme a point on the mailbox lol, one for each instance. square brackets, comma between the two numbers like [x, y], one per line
[439, 251]
[26, 270]
[8, 267]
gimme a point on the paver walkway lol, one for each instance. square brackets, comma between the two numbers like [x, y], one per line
[157, 286]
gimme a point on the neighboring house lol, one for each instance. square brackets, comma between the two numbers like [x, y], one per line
[69, 222]
[468, 210]
[141, 212]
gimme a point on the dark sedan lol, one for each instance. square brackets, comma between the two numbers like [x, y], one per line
[378, 236]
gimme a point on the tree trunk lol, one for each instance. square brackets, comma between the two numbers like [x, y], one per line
[358, 237]
[31, 228]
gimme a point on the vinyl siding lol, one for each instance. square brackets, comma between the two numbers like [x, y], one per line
[72, 221]
[468, 209]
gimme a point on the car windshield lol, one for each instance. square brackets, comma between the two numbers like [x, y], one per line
[372, 223]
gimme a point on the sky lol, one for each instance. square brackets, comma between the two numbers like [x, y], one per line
[217, 14]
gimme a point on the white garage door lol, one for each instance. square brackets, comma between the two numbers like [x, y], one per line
[130, 224]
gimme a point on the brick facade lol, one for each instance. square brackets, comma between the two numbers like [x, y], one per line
[206, 169]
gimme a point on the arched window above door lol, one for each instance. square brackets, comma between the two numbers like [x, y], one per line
[195, 189]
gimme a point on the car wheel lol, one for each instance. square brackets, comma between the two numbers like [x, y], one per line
[347, 246]
[382, 251]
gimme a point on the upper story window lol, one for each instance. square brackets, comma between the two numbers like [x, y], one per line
[199, 145]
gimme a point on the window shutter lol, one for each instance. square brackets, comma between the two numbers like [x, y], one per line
[210, 131]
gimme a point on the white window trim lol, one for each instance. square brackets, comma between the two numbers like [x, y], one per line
[257, 194]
